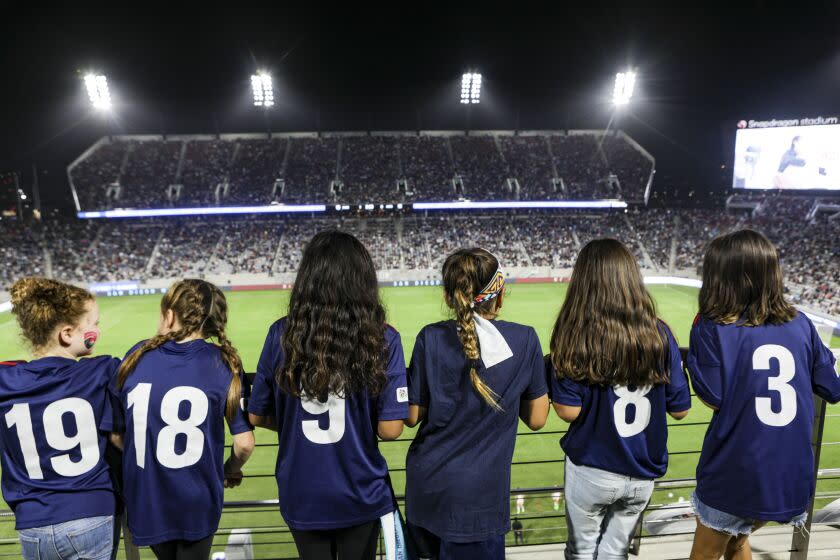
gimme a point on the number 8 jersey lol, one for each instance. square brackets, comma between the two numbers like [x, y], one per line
[757, 461]
[174, 433]
[330, 473]
[623, 430]
[55, 415]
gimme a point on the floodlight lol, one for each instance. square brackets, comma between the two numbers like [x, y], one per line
[97, 90]
[470, 88]
[263, 89]
[625, 83]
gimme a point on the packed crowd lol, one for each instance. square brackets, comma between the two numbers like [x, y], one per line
[673, 239]
[358, 169]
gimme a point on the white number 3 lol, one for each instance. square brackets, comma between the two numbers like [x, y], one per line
[641, 416]
[780, 383]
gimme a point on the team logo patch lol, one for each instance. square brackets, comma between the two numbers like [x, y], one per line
[402, 394]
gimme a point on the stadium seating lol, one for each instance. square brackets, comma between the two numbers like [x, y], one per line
[663, 240]
[193, 171]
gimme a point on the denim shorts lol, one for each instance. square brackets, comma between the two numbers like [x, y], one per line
[91, 538]
[732, 524]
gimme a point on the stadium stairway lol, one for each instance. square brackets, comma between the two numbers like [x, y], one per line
[771, 543]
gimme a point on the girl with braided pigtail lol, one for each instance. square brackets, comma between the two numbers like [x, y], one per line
[175, 392]
[470, 380]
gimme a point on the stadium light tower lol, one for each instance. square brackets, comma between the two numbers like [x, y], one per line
[625, 83]
[97, 90]
[263, 89]
[471, 88]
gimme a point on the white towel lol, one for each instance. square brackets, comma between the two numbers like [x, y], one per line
[494, 347]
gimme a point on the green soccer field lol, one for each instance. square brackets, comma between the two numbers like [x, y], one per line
[127, 320]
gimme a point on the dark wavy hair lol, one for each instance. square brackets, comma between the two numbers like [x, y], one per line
[334, 340]
[607, 331]
[742, 281]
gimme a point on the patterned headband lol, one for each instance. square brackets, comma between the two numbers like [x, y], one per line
[492, 289]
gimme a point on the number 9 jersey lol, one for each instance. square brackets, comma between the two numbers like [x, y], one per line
[55, 415]
[174, 437]
[330, 473]
[757, 461]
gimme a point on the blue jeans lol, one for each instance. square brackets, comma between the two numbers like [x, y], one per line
[91, 538]
[602, 509]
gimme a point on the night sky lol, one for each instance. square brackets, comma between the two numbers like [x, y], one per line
[397, 66]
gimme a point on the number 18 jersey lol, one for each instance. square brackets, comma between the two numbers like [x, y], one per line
[330, 473]
[757, 461]
[54, 413]
[173, 405]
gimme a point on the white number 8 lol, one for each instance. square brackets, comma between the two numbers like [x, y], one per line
[787, 369]
[641, 416]
[334, 407]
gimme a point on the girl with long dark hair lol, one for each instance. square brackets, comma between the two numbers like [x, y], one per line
[616, 372]
[331, 378]
[756, 361]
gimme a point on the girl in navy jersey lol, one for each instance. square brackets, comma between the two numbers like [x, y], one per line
[56, 417]
[617, 371]
[331, 378]
[176, 390]
[471, 379]
[756, 361]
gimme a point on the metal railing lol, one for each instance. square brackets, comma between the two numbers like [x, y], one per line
[271, 539]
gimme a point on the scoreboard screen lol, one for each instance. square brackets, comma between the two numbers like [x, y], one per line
[787, 154]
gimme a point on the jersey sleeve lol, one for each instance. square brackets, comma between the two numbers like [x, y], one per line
[677, 393]
[825, 380]
[418, 385]
[704, 364]
[393, 401]
[261, 401]
[567, 391]
[239, 423]
[534, 366]
[111, 419]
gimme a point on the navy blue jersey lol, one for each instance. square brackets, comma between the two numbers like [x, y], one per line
[757, 460]
[174, 405]
[330, 473]
[623, 429]
[56, 413]
[458, 466]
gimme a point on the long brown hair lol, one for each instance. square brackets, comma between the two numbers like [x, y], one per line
[742, 278]
[607, 332]
[200, 307]
[465, 273]
[334, 342]
[40, 305]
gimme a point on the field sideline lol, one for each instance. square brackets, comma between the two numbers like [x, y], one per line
[126, 320]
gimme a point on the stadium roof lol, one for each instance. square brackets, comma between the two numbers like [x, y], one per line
[550, 65]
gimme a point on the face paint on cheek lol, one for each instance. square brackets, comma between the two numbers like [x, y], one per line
[90, 339]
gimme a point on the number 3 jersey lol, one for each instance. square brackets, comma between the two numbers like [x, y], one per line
[623, 430]
[55, 415]
[173, 405]
[757, 461]
[330, 473]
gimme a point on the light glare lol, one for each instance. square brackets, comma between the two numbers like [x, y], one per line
[625, 83]
[97, 90]
[470, 88]
[262, 88]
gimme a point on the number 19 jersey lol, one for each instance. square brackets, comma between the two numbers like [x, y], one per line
[54, 413]
[757, 461]
[174, 432]
[330, 473]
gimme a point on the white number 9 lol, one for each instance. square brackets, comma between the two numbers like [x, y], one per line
[334, 407]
